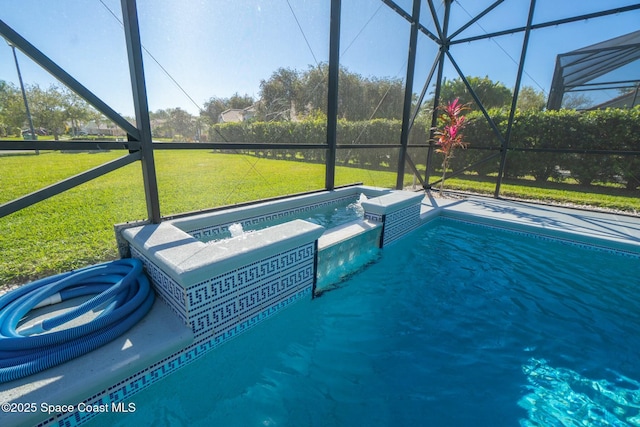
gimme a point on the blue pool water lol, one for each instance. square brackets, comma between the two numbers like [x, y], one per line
[455, 325]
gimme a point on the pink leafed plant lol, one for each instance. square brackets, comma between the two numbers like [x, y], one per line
[448, 136]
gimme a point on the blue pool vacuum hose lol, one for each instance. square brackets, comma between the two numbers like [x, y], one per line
[121, 290]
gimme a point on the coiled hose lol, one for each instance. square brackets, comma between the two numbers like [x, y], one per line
[121, 290]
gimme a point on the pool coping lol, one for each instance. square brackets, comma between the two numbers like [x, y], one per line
[598, 229]
[190, 261]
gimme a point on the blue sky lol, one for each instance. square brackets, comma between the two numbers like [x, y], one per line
[218, 48]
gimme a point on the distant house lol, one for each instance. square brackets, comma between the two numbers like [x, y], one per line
[235, 115]
[93, 128]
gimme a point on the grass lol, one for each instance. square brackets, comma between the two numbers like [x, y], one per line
[75, 228]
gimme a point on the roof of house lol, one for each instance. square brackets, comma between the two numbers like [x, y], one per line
[237, 114]
[627, 100]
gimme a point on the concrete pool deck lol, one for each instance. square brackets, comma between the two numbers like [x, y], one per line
[611, 230]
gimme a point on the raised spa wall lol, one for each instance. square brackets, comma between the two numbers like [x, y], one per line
[220, 289]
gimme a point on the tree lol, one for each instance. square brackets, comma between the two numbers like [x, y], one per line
[313, 90]
[387, 95]
[278, 95]
[53, 108]
[12, 112]
[212, 109]
[48, 109]
[240, 102]
[4, 95]
[173, 123]
[530, 100]
[576, 101]
[160, 127]
[76, 110]
[359, 98]
[491, 94]
[182, 123]
[289, 95]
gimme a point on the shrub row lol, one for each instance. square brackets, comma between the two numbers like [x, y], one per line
[378, 131]
[608, 130]
[612, 130]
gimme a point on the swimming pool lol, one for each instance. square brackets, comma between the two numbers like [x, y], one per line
[457, 324]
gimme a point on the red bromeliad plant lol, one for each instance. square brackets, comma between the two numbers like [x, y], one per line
[449, 136]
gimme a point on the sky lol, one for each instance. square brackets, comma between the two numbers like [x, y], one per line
[198, 49]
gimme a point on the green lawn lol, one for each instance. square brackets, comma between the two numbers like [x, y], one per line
[75, 229]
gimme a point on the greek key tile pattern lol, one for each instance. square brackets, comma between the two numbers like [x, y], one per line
[116, 395]
[220, 303]
[210, 233]
[400, 222]
[373, 217]
[166, 288]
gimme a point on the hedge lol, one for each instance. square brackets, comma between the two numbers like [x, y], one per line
[378, 131]
[606, 130]
[609, 130]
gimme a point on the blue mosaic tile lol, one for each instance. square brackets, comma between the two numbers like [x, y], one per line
[373, 217]
[399, 223]
[219, 303]
[215, 305]
[166, 288]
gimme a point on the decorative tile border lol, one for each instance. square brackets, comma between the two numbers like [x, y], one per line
[373, 217]
[399, 223]
[166, 288]
[222, 302]
[219, 303]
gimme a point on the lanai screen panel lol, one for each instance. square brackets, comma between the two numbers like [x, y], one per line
[579, 69]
